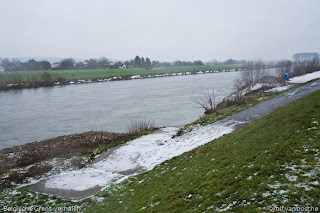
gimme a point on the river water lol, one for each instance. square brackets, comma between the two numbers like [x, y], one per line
[35, 114]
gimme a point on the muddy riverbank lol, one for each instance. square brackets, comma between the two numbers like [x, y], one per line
[20, 162]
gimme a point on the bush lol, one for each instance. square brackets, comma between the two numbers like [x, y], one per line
[138, 124]
[46, 79]
[206, 100]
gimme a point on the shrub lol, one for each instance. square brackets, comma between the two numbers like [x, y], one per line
[138, 124]
[206, 100]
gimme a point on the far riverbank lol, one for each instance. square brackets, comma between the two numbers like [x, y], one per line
[49, 79]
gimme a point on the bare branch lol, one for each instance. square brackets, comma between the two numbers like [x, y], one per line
[206, 100]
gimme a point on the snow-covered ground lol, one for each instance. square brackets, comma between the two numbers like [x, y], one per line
[295, 80]
[139, 155]
[278, 89]
[305, 78]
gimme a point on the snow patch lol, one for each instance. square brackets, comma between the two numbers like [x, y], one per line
[81, 180]
[279, 89]
[305, 78]
[138, 155]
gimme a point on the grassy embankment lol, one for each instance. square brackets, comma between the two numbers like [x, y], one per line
[271, 161]
[252, 149]
[105, 73]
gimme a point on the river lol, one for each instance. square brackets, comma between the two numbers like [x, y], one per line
[35, 114]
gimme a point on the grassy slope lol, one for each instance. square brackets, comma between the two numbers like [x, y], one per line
[273, 160]
[101, 73]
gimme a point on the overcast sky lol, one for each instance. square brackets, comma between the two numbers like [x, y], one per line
[164, 30]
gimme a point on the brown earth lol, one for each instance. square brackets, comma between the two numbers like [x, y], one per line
[62, 146]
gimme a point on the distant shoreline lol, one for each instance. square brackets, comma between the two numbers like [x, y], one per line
[113, 78]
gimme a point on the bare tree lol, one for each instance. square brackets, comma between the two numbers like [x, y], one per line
[307, 66]
[299, 57]
[253, 71]
[206, 100]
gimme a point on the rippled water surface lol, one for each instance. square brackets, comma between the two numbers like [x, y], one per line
[36, 114]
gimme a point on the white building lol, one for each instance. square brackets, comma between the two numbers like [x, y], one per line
[1, 69]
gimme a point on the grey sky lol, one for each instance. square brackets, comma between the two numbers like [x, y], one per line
[159, 29]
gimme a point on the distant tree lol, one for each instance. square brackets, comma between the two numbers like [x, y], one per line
[165, 64]
[67, 64]
[230, 61]
[103, 63]
[80, 65]
[305, 56]
[155, 63]
[8, 64]
[198, 62]
[92, 64]
[148, 62]
[103, 60]
[143, 63]
[177, 63]
[137, 61]
[253, 71]
[212, 62]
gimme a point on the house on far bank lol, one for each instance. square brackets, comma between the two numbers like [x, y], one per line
[21, 66]
[32, 65]
[117, 65]
[1, 69]
[55, 66]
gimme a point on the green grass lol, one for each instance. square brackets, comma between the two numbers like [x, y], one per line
[105, 73]
[25, 198]
[271, 161]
